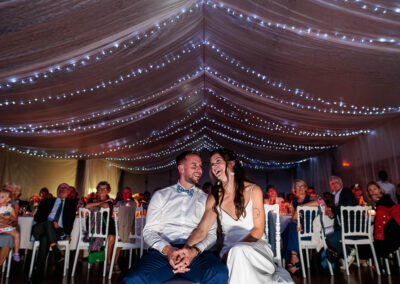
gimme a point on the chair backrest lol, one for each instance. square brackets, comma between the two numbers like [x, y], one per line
[92, 222]
[273, 230]
[138, 223]
[306, 214]
[355, 221]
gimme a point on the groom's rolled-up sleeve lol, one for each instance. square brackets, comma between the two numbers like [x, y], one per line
[153, 224]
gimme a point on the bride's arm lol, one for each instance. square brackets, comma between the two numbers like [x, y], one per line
[185, 255]
[258, 216]
[205, 225]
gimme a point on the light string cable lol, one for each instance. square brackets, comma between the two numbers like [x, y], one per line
[106, 83]
[79, 62]
[79, 124]
[335, 107]
[275, 126]
[383, 42]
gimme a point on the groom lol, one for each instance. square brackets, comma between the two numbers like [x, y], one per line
[174, 212]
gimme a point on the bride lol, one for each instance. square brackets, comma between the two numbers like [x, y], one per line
[237, 205]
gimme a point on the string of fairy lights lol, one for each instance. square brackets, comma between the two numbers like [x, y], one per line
[133, 74]
[209, 145]
[41, 129]
[298, 92]
[317, 33]
[380, 9]
[275, 126]
[200, 138]
[131, 40]
[98, 55]
[372, 111]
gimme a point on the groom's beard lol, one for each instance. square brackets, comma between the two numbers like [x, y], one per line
[191, 180]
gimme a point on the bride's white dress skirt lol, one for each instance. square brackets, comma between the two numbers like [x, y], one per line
[253, 263]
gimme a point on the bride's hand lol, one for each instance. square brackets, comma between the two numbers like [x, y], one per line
[183, 259]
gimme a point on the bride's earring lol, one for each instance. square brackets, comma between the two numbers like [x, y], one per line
[232, 173]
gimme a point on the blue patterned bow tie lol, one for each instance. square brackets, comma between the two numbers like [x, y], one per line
[181, 189]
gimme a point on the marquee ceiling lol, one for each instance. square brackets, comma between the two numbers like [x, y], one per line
[136, 82]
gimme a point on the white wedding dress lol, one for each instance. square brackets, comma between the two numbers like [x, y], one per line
[248, 262]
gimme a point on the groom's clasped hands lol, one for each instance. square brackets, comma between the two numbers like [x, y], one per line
[180, 259]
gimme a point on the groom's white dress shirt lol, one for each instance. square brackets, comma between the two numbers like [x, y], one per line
[172, 216]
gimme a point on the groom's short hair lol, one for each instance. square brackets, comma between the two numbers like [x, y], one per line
[182, 156]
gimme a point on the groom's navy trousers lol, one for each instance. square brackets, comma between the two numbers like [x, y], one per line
[154, 267]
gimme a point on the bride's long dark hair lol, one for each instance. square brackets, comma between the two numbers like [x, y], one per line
[218, 191]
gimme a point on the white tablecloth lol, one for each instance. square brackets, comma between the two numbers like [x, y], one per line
[25, 228]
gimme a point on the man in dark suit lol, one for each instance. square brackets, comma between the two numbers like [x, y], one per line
[54, 221]
[343, 197]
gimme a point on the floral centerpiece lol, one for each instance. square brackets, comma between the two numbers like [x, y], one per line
[34, 203]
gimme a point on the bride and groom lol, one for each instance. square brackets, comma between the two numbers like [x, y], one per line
[183, 222]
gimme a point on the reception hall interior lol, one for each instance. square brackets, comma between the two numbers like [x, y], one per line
[114, 90]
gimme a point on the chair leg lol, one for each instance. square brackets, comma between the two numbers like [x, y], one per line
[302, 262]
[75, 260]
[345, 258]
[387, 266]
[112, 260]
[130, 258]
[66, 260]
[141, 246]
[9, 264]
[3, 266]
[32, 260]
[308, 259]
[357, 257]
[378, 271]
[398, 256]
[105, 261]
[330, 267]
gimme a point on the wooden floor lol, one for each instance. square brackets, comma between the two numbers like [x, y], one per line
[53, 274]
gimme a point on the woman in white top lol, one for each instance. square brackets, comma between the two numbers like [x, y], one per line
[237, 205]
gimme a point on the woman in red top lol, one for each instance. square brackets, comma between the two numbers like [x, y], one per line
[387, 220]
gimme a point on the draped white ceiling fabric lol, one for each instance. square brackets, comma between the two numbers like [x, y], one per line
[136, 82]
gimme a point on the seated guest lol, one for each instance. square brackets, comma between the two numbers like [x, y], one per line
[358, 194]
[290, 235]
[174, 212]
[15, 192]
[126, 198]
[271, 197]
[329, 199]
[207, 187]
[54, 221]
[73, 194]
[118, 197]
[6, 243]
[282, 195]
[7, 221]
[311, 191]
[387, 220]
[343, 197]
[44, 193]
[102, 200]
[290, 197]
